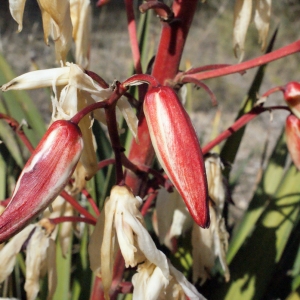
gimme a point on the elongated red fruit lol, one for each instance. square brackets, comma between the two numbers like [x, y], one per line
[292, 130]
[178, 150]
[44, 176]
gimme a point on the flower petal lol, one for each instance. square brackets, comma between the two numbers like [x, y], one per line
[9, 252]
[262, 20]
[38, 79]
[16, 8]
[36, 258]
[242, 18]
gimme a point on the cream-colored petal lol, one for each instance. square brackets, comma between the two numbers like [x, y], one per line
[84, 82]
[16, 8]
[9, 252]
[60, 24]
[189, 290]
[262, 20]
[149, 282]
[129, 115]
[52, 270]
[242, 18]
[81, 20]
[95, 244]
[38, 79]
[203, 252]
[147, 245]
[173, 218]
[108, 246]
[216, 189]
[126, 240]
[88, 157]
[36, 261]
[209, 244]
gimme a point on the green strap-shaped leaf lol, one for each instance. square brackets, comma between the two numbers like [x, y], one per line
[265, 190]
[253, 266]
[20, 106]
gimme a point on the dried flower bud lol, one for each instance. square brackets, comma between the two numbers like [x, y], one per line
[292, 130]
[292, 97]
[178, 150]
[44, 176]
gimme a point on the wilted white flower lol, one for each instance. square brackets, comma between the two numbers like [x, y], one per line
[212, 243]
[40, 257]
[56, 22]
[121, 226]
[171, 217]
[81, 20]
[150, 284]
[242, 17]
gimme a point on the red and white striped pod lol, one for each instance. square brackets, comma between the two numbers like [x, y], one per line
[292, 97]
[292, 130]
[44, 176]
[177, 148]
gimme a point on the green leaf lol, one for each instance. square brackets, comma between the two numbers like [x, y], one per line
[20, 106]
[266, 188]
[253, 266]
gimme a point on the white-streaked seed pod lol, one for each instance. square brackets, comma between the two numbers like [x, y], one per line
[44, 176]
[178, 150]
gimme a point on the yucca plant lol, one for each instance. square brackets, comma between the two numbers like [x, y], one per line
[88, 211]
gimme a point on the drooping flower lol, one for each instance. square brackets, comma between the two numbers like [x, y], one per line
[171, 218]
[212, 243]
[242, 17]
[44, 176]
[81, 20]
[121, 226]
[177, 149]
[40, 248]
[56, 22]
[292, 130]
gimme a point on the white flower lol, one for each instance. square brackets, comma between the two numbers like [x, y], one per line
[150, 284]
[242, 18]
[171, 218]
[40, 257]
[81, 20]
[121, 225]
[56, 22]
[209, 244]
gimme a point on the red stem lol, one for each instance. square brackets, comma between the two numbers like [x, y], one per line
[106, 162]
[242, 121]
[59, 220]
[133, 37]
[151, 196]
[15, 125]
[252, 63]
[91, 201]
[77, 206]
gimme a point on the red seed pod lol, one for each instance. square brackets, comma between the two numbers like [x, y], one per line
[44, 176]
[292, 130]
[178, 150]
[292, 97]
